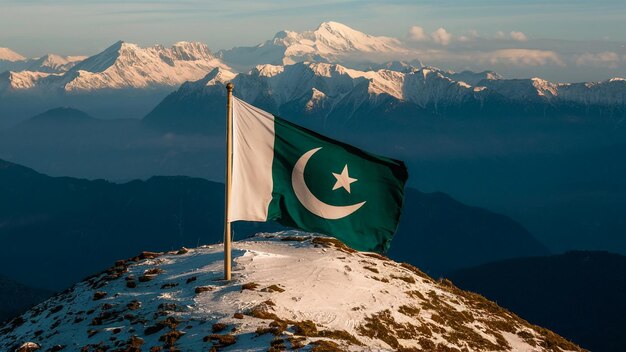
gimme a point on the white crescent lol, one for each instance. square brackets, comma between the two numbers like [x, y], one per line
[309, 200]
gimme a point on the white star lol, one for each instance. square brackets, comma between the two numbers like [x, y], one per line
[343, 180]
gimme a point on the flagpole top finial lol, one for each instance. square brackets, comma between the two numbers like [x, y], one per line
[230, 86]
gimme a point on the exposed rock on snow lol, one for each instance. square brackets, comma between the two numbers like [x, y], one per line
[289, 290]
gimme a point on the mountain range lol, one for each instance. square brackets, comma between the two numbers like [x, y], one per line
[323, 95]
[123, 81]
[49, 63]
[65, 221]
[332, 73]
[124, 65]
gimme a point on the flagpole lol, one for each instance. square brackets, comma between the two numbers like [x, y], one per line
[229, 164]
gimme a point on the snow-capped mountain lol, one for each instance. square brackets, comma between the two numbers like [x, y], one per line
[329, 42]
[324, 73]
[473, 78]
[52, 63]
[7, 54]
[122, 65]
[331, 91]
[289, 290]
[125, 65]
[607, 93]
[49, 63]
[334, 82]
[21, 80]
[322, 92]
[394, 65]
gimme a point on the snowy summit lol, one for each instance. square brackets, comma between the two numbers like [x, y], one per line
[7, 54]
[289, 290]
[329, 42]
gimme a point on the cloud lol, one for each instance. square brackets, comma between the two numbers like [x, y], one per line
[524, 57]
[518, 36]
[441, 36]
[515, 35]
[604, 59]
[471, 36]
[417, 33]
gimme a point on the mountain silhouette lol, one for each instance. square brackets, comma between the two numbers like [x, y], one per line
[579, 294]
[441, 234]
[16, 298]
[72, 227]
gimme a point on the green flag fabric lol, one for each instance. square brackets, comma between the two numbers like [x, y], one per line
[301, 179]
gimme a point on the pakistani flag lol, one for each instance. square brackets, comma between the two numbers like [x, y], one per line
[284, 172]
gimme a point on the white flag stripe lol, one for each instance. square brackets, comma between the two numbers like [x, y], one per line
[253, 154]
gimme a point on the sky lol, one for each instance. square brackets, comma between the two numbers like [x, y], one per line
[563, 40]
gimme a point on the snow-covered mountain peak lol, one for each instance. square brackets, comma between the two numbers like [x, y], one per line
[334, 26]
[335, 36]
[327, 70]
[472, 78]
[425, 71]
[106, 58]
[53, 63]
[284, 38]
[127, 65]
[268, 70]
[7, 54]
[217, 76]
[329, 42]
[22, 80]
[396, 65]
[289, 291]
[191, 51]
[544, 87]
[332, 38]
[531, 89]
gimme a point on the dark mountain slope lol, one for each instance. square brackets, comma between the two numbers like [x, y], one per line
[440, 234]
[75, 226]
[580, 295]
[16, 298]
[55, 230]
